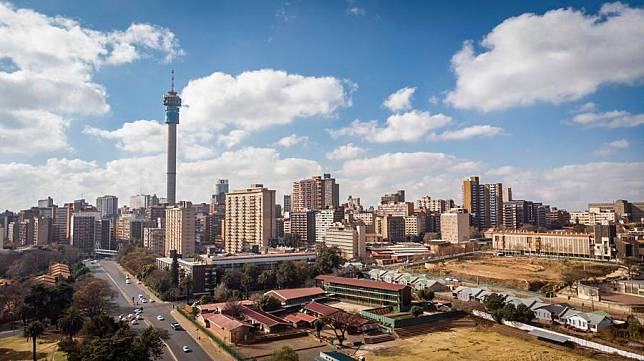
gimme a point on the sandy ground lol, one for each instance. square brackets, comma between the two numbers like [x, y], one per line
[349, 307]
[468, 344]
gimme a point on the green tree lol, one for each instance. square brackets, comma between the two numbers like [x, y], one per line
[319, 326]
[328, 259]
[523, 314]
[416, 311]
[174, 270]
[425, 294]
[93, 297]
[286, 275]
[493, 302]
[33, 330]
[249, 277]
[267, 280]
[267, 303]
[71, 321]
[285, 354]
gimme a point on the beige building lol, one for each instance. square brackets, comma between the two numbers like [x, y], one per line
[593, 216]
[350, 240]
[567, 244]
[398, 209]
[154, 240]
[414, 224]
[180, 229]
[368, 218]
[435, 205]
[315, 193]
[455, 227]
[250, 218]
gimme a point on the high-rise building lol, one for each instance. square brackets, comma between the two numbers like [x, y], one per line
[455, 227]
[315, 193]
[108, 206]
[13, 232]
[42, 231]
[104, 234]
[414, 224]
[393, 228]
[5, 218]
[250, 218]
[435, 205]
[520, 212]
[399, 209]
[302, 225]
[172, 103]
[221, 188]
[26, 232]
[287, 203]
[83, 227]
[397, 197]
[45, 203]
[325, 218]
[143, 201]
[366, 217]
[484, 202]
[180, 229]
[154, 240]
[349, 239]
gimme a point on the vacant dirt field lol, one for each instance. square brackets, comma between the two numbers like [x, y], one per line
[526, 273]
[469, 344]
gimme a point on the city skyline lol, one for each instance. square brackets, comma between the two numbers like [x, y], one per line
[247, 121]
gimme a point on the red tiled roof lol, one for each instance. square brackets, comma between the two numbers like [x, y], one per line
[291, 293]
[361, 282]
[262, 317]
[321, 308]
[211, 307]
[296, 317]
[224, 321]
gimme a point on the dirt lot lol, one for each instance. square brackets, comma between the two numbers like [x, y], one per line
[470, 344]
[307, 348]
[531, 274]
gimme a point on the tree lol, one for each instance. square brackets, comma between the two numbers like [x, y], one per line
[327, 259]
[33, 330]
[286, 275]
[267, 303]
[249, 277]
[340, 322]
[174, 270]
[285, 354]
[71, 321]
[425, 294]
[319, 326]
[523, 314]
[185, 286]
[493, 302]
[416, 311]
[233, 308]
[267, 280]
[93, 297]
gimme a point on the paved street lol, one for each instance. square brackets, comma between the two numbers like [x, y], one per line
[108, 270]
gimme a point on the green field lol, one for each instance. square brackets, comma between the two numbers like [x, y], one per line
[17, 348]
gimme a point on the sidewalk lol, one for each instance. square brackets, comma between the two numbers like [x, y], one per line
[208, 345]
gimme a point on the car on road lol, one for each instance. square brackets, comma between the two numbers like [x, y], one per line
[138, 282]
[151, 300]
[134, 322]
[139, 317]
[143, 300]
[186, 349]
[175, 326]
[127, 282]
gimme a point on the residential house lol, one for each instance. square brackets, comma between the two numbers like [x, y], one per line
[549, 313]
[587, 321]
[423, 282]
[264, 322]
[226, 327]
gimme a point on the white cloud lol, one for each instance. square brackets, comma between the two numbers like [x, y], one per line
[53, 61]
[612, 147]
[259, 99]
[139, 136]
[612, 119]
[347, 151]
[405, 127]
[31, 131]
[233, 138]
[467, 133]
[292, 140]
[556, 57]
[68, 179]
[356, 11]
[400, 100]
[585, 108]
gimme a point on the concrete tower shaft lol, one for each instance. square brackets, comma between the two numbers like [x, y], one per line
[172, 104]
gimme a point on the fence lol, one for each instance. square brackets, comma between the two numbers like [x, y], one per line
[573, 339]
[231, 351]
[392, 322]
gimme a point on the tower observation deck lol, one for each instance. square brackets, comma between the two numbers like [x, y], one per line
[172, 104]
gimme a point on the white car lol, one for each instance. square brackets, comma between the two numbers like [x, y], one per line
[186, 349]
[139, 317]
[151, 300]
[127, 282]
[134, 322]
[160, 318]
[143, 300]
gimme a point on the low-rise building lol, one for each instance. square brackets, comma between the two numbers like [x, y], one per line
[367, 292]
[587, 321]
[296, 296]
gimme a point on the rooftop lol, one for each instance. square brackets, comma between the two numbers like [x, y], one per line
[361, 282]
[223, 321]
[320, 308]
[292, 293]
[262, 317]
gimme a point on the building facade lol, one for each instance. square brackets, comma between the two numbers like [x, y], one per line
[315, 193]
[484, 202]
[108, 206]
[180, 229]
[350, 240]
[455, 227]
[250, 218]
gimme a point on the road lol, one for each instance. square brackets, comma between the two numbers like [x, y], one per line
[108, 270]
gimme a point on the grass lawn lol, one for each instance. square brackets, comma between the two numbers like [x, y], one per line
[17, 348]
[468, 344]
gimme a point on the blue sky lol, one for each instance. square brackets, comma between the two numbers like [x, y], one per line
[350, 56]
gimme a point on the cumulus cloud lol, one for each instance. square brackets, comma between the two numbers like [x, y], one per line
[467, 133]
[233, 138]
[68, 179]
[292, 140]
[612, 147]
[400, 100]
[27, 131]
[140, 136]
[405, 127]
[347, 151]
[53, 61]
[255, 100]
[562, 55]
[612, 119]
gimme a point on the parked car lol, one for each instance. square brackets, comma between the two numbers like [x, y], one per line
[186, 349]
[160, 318]
[127, 282]
[134, 322]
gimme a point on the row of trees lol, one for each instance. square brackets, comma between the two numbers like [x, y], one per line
[500, 310]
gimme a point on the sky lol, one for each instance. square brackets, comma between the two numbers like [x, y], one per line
[546, 97]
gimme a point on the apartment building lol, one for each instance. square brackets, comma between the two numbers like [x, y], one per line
[315, 193]
[250, 218]
[154, 240]
[180, 229]
[455, 227]
[302, 225]
[349, 239]
[435, 205]
[324, 219]
[484, 202]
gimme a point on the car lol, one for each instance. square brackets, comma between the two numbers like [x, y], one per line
[127, 282]
[175, 326]
[130, 317]
[138, 282]
[134, 322]
[186, 349]
[139, 317]
[160, 318]
[140, 296]
[143, 300]
[151, 300]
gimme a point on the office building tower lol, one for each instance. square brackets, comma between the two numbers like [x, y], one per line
[393, 228]
[507, 194]
[484, 202]
[180, 229]
[250, 218]
[287, 203]
[26, 235]
[399, 209]
[7, 217]
[435, 205]
[397, 197]
[172, 103]
[46, 203]
[146, 201]
[42, 230]
[415, 224]
[455, 227]
[324, 219]
[302, 225]
[104, 234]
[83, 227]
[315, 193]
[108, 206]
[349, 239]
[221, 188]
[154, 240]
[13, 232]
[367, 218]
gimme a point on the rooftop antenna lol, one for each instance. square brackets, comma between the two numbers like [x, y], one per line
[172, 84]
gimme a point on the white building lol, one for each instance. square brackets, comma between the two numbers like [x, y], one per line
[455, 227]
[350, 240]
[593, 216]
[250, 218]
[324, 219]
